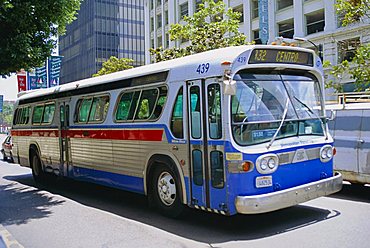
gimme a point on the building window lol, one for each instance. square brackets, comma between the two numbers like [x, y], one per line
[254, 9]
[256, 36]
[158, 3]
[151, 24]
[166, 18]
[286, 29]
[159, 21]
[159, 41]
[184, 10]
[281, 4]
[197, 5]
[347, 49]
[315, 22]
[239, 9]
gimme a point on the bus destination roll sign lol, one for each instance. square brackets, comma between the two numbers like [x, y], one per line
[259, 56]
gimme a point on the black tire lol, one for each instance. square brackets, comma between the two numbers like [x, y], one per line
[165, 192]
[4, 156]
[37, 170]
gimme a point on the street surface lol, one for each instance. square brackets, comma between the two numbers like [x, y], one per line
[74, 214]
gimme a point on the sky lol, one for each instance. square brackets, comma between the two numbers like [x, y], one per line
[9, 87]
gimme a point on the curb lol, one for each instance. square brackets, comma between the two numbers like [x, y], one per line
[7, 240]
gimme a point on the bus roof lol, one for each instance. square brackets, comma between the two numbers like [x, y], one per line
[184, 68]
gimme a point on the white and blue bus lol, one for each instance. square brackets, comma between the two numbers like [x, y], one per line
[234, 130]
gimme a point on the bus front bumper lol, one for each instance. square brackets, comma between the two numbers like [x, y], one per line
[289, 197]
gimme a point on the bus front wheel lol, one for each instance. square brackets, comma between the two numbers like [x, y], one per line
[165, 192]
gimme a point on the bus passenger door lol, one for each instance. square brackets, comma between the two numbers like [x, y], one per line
[63, 137]
[206, 146]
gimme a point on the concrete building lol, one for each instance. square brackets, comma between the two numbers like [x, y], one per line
[315, 20]
[103, 28]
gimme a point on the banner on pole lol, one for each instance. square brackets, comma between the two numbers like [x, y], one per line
[54, 65]
[263, 20]
[22, 80]
[33, 82]
[41, 74]
[1, 103]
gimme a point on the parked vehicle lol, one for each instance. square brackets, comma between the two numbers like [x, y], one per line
[351, 131]
[6, 149]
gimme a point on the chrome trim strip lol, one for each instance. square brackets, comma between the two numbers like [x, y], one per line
[287, 157]
[289, 197]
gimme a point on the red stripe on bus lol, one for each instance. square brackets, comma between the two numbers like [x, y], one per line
[135, 134]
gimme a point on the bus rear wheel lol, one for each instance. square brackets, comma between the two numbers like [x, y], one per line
[37, 171]
[165, 192]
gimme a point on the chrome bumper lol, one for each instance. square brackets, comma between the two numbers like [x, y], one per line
[289, 197]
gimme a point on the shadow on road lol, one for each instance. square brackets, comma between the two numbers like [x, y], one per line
[19, 203]
[353, 192]
[195, 225]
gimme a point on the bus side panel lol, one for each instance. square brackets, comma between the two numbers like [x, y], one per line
[120, 181]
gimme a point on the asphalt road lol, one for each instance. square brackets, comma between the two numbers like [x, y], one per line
[73, 214]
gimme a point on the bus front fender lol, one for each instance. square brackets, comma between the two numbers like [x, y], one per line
[263, 203]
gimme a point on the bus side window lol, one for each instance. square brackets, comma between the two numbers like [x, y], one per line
[99, 109]
[48, 113]
[146, 104]
[37, 114]
[217, 169]
[178, 116]
[214, 111]
[84, 110]
[195, 112]
[160, 103]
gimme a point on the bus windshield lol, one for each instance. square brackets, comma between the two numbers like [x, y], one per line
[265, 101]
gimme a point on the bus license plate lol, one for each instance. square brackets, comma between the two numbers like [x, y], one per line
[265, 181]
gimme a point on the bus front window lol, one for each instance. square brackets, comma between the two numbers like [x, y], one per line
[262, 99]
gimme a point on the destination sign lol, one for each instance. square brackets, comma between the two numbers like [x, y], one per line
[259, 56]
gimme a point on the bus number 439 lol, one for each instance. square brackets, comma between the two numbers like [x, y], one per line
[203, 68]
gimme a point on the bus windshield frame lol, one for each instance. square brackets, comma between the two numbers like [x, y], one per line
[277, 104]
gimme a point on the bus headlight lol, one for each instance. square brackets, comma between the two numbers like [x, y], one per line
[326, 153]
[267, 163]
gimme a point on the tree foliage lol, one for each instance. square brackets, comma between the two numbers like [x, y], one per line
[28, 30]
[113, 64]
[359, 67]
[211, 27]
[352, 10]
[7, 115]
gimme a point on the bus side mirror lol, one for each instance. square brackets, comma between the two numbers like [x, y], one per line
[332, 115]
[230, 87]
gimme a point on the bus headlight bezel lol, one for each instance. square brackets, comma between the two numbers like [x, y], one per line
[267, 163]
[326, 153]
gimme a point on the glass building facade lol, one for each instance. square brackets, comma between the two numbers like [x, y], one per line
[103, 28]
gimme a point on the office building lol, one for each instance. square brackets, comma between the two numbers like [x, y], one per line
[103, 28]
[315, 20]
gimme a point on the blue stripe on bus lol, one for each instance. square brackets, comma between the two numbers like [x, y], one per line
[129, 183]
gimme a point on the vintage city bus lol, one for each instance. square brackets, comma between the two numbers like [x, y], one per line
[234, 130]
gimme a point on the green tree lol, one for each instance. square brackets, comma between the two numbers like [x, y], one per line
[113, 64]
[7, 115]
[359, 68]
[28, 31]
[352, 10]
[211, 27]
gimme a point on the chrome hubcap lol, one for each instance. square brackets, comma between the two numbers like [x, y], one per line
[166, 188]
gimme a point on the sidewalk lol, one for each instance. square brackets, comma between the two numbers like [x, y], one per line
[7, 240]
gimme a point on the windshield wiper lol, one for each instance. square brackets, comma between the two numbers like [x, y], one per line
[315, 115]
[281, 124]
